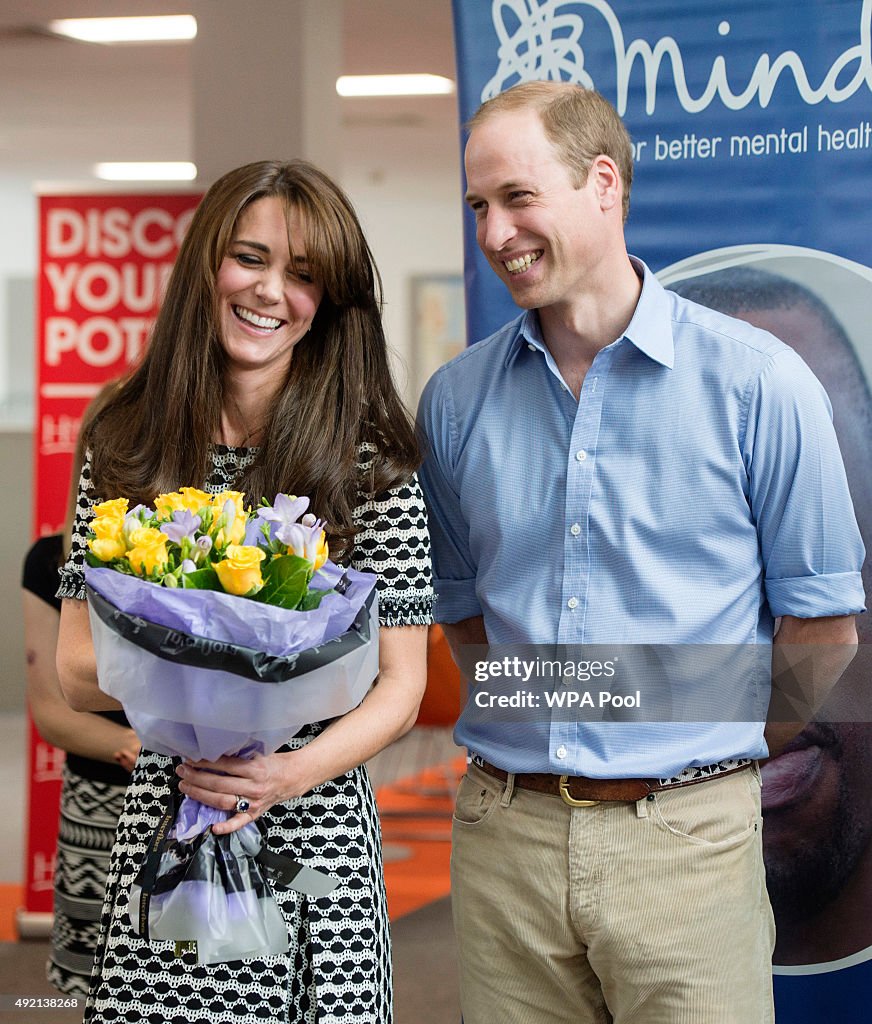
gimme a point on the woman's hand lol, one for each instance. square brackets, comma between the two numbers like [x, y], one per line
[263, 780]
[388, 710]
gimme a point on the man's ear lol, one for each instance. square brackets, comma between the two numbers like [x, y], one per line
[607, 182]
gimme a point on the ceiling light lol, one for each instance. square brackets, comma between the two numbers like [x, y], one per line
[394, 85]
[178, 171]
[127, 30]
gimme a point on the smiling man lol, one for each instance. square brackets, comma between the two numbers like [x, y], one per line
[618, 466]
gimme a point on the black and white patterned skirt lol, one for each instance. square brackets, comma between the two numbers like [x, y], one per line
[88, 816]
[337, 969]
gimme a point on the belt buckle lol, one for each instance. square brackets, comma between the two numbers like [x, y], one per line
[568, 798]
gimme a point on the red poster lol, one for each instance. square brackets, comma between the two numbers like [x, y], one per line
[104, 260]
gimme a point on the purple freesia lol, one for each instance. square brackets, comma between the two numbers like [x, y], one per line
[183, 526]
[254, 532]
[284, 514]
[303, 540]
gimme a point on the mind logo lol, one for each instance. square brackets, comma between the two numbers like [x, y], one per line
[541, 40]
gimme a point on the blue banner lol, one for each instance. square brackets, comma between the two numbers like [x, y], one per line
[752, 133]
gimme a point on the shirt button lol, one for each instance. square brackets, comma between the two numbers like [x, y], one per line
[560, 752]
[532, 348]
[581, 455]
[572, 602]
[575, 529]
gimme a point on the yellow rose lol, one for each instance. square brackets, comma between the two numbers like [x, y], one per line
[237, 497]
[105, 548]
[189, 499]
[195, 499]
[109, 540]
[114, 509]
[148, 551]
[239, 572]
[166, 504]
[108, 527]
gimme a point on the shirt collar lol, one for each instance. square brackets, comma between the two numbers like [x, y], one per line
[650, 330]
[528, 335]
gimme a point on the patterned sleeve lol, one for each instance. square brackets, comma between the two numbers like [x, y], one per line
[393, 542]
[73, 572]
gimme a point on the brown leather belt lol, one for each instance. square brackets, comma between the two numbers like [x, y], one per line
[577, 791]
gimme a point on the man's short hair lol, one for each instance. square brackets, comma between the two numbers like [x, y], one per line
[580, 123]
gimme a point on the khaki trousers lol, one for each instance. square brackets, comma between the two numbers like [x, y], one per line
[653, 912]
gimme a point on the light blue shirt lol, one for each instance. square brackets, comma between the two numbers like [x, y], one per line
[694, 493]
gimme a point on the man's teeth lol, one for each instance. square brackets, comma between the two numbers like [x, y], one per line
[267, 322]
[522, 262]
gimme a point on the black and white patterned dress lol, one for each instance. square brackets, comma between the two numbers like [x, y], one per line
[338, 967]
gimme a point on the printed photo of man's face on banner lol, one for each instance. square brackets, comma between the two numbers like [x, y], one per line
[817, 795]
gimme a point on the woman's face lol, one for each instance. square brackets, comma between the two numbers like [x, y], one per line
[266, 297]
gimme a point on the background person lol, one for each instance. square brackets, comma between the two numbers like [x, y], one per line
[101, 750]
[601, 470]
[267, 372]
[817, 795]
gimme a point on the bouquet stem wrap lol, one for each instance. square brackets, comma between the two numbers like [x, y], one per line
[199, 681]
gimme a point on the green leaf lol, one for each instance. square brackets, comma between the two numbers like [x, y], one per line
[285, 582]
[201, 579]
[312, 599]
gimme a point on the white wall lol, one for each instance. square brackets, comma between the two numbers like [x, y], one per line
[18, 249]
[414, 227]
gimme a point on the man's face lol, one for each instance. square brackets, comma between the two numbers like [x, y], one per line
[817, 795]
[542, 235]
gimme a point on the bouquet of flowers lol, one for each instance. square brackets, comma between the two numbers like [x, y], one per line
[223, 630]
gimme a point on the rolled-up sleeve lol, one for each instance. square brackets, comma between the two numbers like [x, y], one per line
[809, 539]
[454, 569]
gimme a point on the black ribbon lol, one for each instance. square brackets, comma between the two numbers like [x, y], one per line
[278, 868]
[147, 876]
[201, 652]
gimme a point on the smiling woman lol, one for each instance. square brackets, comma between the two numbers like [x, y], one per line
[267, 373]
[267, 296]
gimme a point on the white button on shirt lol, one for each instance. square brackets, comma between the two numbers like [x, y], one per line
[575, 529]
[560, 752]
[572, 602]
[581, 455]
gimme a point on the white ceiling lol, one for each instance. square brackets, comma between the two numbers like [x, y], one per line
[65, 105]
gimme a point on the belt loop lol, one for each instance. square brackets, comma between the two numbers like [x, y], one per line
[642, 806]
[509, 791]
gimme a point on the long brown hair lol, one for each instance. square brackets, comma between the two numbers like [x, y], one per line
[155, 433]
